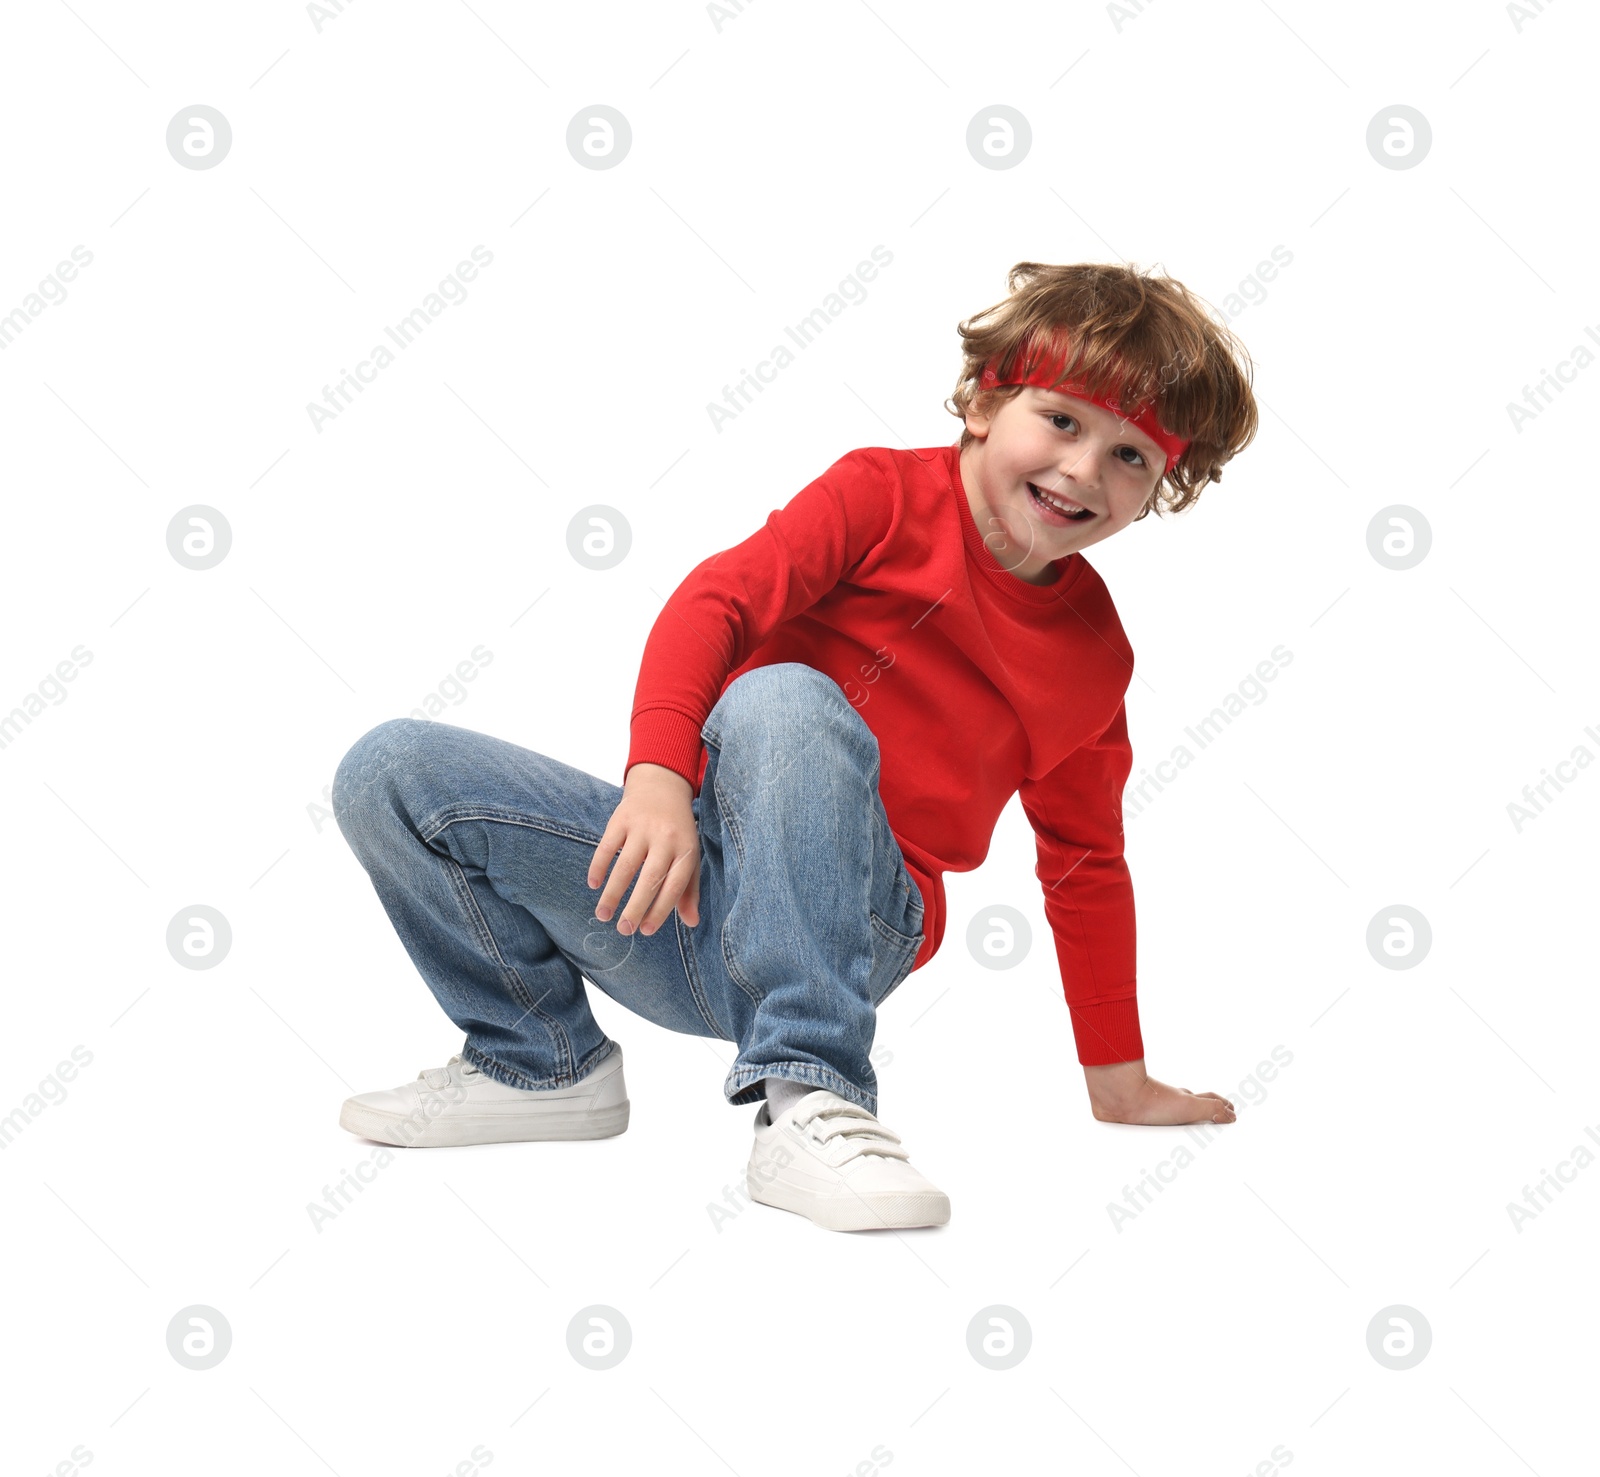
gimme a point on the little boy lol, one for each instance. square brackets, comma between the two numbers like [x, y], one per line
[829, 716]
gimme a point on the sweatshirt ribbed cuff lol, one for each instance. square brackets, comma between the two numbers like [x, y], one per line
[665, 736]
[1107, 1033]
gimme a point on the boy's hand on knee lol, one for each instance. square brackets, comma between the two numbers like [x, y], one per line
[1124, 1093]
[654, 830]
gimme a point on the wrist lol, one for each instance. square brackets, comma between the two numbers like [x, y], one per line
[644, 772]
[1116, 1085]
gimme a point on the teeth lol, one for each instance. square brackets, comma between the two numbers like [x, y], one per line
[1056, 503]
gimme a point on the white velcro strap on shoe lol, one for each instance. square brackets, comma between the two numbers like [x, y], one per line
[856, 1145]
[860, 1132]
[439, 1077]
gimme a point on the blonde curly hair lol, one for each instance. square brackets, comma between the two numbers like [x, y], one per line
[1114, 324]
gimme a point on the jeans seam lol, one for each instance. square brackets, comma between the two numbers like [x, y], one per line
[729, 821]
[744, 1078]
[511, 1078]
[696, 990]
[732, 967]
[451, 814]
[907, 964]
[518, 986]
[730, 825]
[894, 935]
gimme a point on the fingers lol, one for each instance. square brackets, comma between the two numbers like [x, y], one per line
[672, 886]
[644, 886]
[652, 896]
[668, 871]
[691, 894]
[621, 875]
[601, 860]
[689, 903]
[652, 901]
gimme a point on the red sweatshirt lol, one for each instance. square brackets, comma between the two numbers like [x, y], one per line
[976, 684]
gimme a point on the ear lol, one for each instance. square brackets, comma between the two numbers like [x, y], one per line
[980, 414]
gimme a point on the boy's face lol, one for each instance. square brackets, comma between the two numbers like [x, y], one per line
[1078, 452]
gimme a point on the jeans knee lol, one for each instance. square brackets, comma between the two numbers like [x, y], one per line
[784, 695]
[376, 753]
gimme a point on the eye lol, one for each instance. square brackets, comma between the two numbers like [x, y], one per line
[1138, 461]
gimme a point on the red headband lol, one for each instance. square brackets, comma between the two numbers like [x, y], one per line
[1044, 375]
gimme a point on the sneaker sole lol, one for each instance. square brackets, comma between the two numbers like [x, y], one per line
[890, 1212]
[456, 1132]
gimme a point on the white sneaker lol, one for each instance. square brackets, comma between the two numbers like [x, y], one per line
[456, 1104]
[830, 1160]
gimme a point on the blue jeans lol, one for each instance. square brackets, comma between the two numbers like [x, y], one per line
[479, 849]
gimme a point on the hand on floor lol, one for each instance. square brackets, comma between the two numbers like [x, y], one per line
[1123, 1093]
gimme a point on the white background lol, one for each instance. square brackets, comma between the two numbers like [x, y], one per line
[185, 763]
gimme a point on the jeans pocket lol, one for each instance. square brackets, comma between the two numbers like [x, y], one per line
[899, 954]
[915, 909]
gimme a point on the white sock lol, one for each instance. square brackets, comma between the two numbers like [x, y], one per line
[782, 1094]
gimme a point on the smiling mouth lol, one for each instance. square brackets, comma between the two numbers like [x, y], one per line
[1058, 510]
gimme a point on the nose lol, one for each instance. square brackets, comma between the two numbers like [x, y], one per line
[1082, 463]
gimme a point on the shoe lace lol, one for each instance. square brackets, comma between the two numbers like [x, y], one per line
[439, 1077]
[860, 1131]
